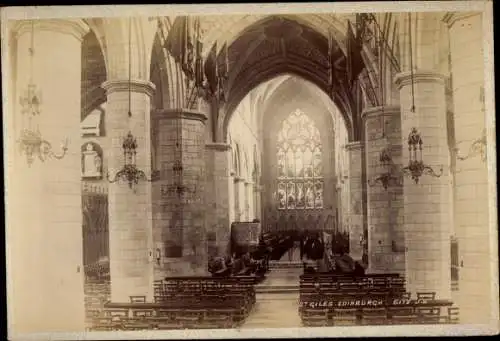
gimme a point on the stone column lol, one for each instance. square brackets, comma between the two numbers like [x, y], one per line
[250, 200]
[257, 201]
[239, 195]
[385, 205]
[426, 203]
[355, 150]
[471, 177]
[180, 193]
[130, 209]
[44, 250]
[232, 198]
[217, 160]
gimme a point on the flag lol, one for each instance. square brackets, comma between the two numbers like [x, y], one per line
[355, 62]
[177, 38]
[211, 69]
[179, 44]
[199, 59]
[199, 64]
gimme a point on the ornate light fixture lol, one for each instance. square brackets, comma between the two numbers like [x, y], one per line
[388, 176]
[130, 172]
[477, 147]
[178, 187]
[31, 142]
[416, 167]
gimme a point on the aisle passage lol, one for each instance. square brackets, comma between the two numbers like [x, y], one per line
[275, 310]
[277, 297]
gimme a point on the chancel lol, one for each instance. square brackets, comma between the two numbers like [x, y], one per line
[280, 170]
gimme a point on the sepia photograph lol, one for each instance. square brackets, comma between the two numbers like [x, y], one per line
[250, 170]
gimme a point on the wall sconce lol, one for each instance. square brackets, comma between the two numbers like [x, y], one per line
[129, 171]
[477, 147]
[387, 177]
[416, 167]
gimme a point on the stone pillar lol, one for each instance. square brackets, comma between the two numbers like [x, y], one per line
[426, 204]
[471, 177]
[257, 201]
[239, 195]
[355, 150]
[250, 200]
[180, 194]
[130, 209]
[232, 198]
[385, 205]
[44, 249]
[217, 195]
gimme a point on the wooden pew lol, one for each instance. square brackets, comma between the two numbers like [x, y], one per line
[368, 311]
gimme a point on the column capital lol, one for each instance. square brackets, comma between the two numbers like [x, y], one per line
[356, 145]
[238, 179]
[419, 76]
[450, 18]
[220, 147]
[123, 85]
[75, 27]
[375, 112]
[180, 114]
[248, 183]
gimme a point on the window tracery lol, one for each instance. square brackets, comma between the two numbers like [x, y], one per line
[300, 168]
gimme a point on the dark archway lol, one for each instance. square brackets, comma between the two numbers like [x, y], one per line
[93, 74]
[276, 46]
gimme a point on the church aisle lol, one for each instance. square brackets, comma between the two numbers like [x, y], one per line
[277, 298]
[275, 310]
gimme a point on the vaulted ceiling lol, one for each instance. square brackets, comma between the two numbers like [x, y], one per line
[277, 45]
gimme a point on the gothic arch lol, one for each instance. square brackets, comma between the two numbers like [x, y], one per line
[300, 51]
[93, 73]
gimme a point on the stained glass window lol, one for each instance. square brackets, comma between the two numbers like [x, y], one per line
[300, 169]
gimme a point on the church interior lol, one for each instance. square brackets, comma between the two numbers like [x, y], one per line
[249, 171]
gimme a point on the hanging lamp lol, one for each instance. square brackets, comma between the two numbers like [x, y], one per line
[31, 142]
[130, 173]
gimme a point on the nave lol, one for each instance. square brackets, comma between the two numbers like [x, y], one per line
[368, 127]
[289, 294]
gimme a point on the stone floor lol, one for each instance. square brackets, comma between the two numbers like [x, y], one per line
[277, 298]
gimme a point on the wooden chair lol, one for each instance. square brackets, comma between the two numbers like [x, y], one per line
[453, 315]
[428, 315]
[344, 317]
[168, 325]
[373, 316]
[314, 317]
[102, 324]
[427, 296]
[139, 313]
[402, 315]
[137, 299]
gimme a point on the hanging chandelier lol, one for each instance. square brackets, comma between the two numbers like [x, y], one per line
[31, 142]
[129, 171]
[416, 166]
